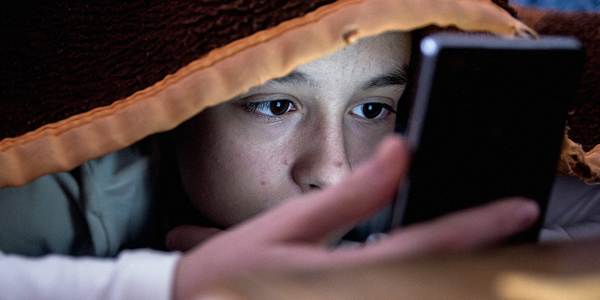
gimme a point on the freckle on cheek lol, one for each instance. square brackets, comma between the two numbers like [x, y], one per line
[338, 164]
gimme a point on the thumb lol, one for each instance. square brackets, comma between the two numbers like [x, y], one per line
[186, 237]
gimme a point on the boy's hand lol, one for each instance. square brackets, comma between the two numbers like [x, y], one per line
[293, 235]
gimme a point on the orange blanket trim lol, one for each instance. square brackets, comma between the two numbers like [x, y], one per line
[574, 161]
[230, 70]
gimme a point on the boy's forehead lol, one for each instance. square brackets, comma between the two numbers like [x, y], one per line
[384, 53]
[387, 54]
[395, 46]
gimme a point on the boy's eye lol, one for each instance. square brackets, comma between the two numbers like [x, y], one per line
[372, 110]
[271, 108]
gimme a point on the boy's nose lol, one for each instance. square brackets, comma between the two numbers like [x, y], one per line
[323, 158]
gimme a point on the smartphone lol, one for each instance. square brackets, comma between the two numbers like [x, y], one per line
[487, 122]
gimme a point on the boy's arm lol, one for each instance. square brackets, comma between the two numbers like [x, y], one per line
[139, 274]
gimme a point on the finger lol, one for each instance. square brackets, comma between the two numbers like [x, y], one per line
[475, 227]
[468, 229]
[186, 237]
[316, 216]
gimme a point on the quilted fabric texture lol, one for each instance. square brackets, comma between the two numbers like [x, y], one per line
[61, 58]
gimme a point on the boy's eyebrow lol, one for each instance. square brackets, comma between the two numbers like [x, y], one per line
[397, 77]
[295, 77]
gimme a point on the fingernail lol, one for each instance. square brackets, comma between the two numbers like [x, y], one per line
[528, 212]
[376, 237]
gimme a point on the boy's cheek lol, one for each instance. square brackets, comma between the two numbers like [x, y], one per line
[242, 206]
[361, 144]
[245, 189]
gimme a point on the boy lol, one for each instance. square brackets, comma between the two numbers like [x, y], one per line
[295, 134]
[295, 137]
[308, 130]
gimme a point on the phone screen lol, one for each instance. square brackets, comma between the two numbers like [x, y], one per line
[487, 123]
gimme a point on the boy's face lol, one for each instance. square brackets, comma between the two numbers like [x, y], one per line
[294, 134]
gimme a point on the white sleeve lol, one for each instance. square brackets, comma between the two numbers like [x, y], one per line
[134, 274]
